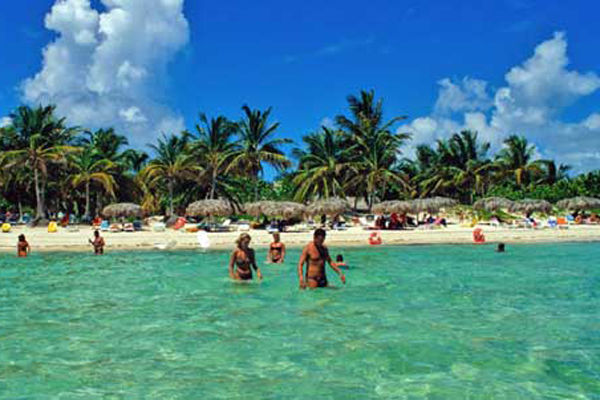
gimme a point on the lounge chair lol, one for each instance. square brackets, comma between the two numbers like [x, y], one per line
[159, 227]
[224, 227]
[243, 227]
[137, 225]
[128, 227]
[116, 228]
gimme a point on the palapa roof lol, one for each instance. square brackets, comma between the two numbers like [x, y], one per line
[529, 206]
[493, 204]
[392, 206]
[579, 203]
[333, 206]
[432, 205]
[122, 210]
[218, 208]
[286, 209]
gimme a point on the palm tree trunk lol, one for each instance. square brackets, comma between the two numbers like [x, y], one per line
[213, 184]
[87, 200]
[38, 195]
[256, 188]
[170, 213]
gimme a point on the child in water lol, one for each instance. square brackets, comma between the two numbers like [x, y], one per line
[339, 261]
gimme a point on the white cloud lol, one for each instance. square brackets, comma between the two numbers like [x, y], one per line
[530, 104]
[106, 68]
[5, 121]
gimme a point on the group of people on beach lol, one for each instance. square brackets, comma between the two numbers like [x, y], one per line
[243, 259]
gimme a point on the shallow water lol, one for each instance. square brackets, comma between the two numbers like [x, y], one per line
[430, 322]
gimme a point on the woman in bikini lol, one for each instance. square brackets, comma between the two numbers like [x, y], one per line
[244, 260]
[23, 248]
[276, 253]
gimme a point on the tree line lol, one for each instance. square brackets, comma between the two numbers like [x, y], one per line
[47, 165]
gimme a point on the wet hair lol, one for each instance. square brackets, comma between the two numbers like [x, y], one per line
[21, 238]
[500, 247]
[243, 236]
[339, 258]
[320, 233]
[96, 233]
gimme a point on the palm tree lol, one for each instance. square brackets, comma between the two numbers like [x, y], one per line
[106, 144]
[41, 140]
[214, 148]
[516, 159]
[375, 146]
[172, 163]
[257, 146]
[87, 168]
[135, 160]
[322, 165]
[550, 173]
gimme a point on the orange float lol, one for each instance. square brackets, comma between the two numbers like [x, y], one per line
[375, 239]
[478, 236]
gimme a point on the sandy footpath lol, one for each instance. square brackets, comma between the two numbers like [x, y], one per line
[64, 240]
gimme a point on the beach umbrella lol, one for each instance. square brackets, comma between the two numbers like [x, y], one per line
[491, 204]
[529, 206]
[432, 205]
[286, 209]
[219, 208]
[257, 208]
[333, 206]
[122, 210]
[579, 203]
[393, 206]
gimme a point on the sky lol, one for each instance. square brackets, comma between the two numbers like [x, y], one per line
[148, 67]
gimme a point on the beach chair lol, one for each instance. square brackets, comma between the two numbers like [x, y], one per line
[159, 227]
[137, 226]
[128, 227]
[243, 227]
[562, 223]
[104, 226]
[116, 228]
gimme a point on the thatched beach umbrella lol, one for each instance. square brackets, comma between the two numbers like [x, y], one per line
[579, 203]
[393, 206]
[529, 206]
[122, 210]
[286, 209]
[257, 208]
[432, 205]
[332, 206]
[218, 208]
[491, 204]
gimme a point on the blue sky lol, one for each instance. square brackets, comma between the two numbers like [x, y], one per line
[304, 57]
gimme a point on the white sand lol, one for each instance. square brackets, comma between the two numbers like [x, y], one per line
[63, 240]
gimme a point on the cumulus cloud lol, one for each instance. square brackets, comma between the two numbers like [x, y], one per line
[107, 68]
[5, 121]
[530, 104]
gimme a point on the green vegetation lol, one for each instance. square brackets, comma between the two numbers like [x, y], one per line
[46, 165]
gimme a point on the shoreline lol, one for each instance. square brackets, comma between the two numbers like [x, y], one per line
[65, 241]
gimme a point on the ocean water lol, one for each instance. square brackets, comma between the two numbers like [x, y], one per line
[422, 322]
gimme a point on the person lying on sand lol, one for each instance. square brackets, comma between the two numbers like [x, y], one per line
[98, 244]
[23, 248]
[315, 254]
[276, 254]
[244, 259]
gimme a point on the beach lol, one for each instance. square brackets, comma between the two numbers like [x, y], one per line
[65, 240]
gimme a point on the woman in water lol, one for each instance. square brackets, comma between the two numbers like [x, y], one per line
[276, 253]
[244, 259]
[23, 248]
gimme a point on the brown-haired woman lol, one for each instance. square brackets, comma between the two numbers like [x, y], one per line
[23, 248]
[244, 260]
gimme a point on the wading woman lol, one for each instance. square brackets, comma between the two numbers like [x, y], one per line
[243, 260]
[23, 248]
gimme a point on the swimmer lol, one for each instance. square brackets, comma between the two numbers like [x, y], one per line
[276, 254]
[98, 244]
[315, 255]
[244, 259]
[339, 261]
[500, 248]
[23, 248]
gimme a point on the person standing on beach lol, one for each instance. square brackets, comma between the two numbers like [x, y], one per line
[98, 244]
[276, 254]
[23, 248]
[244, 259]
[315, 255]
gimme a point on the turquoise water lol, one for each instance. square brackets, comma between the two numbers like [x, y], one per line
[423, 322]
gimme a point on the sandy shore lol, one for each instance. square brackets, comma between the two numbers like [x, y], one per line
[65, 240]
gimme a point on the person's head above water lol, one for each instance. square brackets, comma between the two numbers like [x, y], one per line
[339, 258]
[500, 248]
[243, 241]
[319, 236]
[21, 238]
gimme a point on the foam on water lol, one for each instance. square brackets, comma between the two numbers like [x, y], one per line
[431, 322]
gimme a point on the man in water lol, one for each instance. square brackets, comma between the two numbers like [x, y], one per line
[98, 244]
[500, 248]
[315, 255]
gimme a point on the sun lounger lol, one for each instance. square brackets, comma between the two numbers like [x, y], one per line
[105, 226]
[128, 227]
[245, 227]
[116, 228]
[159, 227]
[137, 225]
